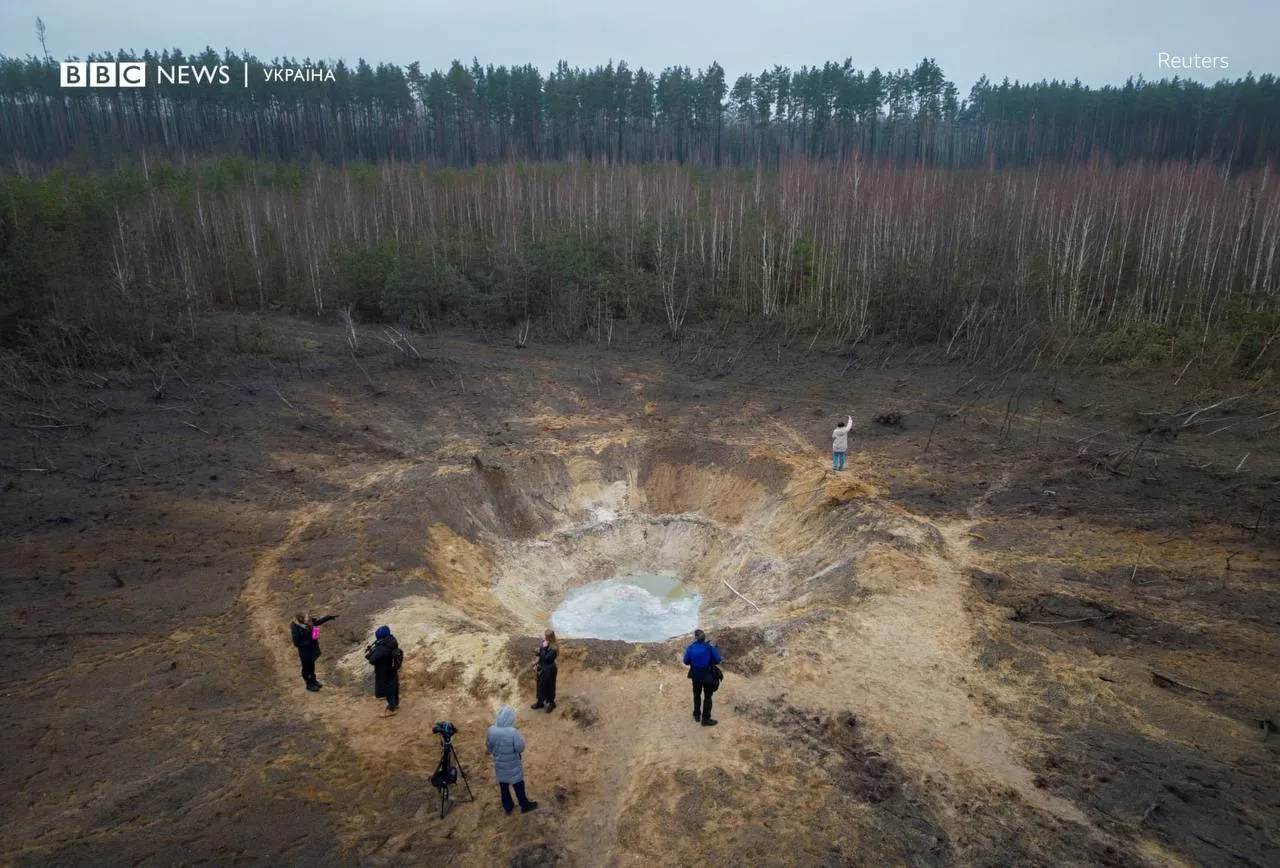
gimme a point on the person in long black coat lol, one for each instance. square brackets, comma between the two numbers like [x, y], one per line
[306, 638]
[384, 655]
[546, 670]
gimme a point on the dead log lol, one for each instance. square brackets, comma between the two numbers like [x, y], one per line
[1167, 681]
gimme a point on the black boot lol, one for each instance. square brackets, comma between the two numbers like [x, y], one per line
[524, 809]
[314, 686]
[706, 721]
[537, 705]
[551, 706]
[697, 717]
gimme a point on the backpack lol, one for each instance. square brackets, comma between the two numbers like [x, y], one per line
[397, 658]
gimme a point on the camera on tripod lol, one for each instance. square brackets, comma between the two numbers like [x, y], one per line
[449, 770]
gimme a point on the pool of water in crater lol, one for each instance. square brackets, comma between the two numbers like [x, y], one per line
[641, 608]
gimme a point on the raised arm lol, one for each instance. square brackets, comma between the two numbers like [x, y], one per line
[326, 619]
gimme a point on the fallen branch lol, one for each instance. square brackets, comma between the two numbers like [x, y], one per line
[347, 317]
[822, 487]
[1094, 434]
[1210, 407]
[241, 386]
[929, 442]
[1072, 620]
[145, 472]
[197, 427]
[1158, 677]
[373, 385]
[1225, 849]
[399, 341]
[732, 588]
[158, 379]
[283, 398]
[1180, 374]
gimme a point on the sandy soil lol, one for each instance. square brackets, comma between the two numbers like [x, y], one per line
[1034, 623]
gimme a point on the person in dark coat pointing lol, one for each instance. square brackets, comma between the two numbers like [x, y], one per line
[385, 656]
[306, 638]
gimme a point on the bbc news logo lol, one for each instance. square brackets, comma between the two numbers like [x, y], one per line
[133, 73]
[112, 74]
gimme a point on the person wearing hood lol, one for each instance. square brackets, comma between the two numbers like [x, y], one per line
[306, 638]
[506, 745]
[385, 656]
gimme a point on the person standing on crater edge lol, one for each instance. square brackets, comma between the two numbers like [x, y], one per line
[506, 744]
[546, 672]
[306, 638]
[701, 658]
[386, 658]
[840, 443]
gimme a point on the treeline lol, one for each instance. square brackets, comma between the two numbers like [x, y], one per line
[1107, 263]
[467, 115]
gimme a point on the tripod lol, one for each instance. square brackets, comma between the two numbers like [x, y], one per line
[446, 775]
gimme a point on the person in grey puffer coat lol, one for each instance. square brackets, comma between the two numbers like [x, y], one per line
[506, 744]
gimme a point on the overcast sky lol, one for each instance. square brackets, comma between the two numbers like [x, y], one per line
[1097, 41]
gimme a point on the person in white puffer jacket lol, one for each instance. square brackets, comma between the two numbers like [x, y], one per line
[506, 744]
[840, 443]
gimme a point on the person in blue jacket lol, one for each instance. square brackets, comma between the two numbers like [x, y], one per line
[700, 657]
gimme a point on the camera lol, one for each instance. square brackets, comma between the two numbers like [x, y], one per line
[444, 729]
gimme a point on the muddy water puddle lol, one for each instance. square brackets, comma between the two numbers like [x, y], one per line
[638, 608]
